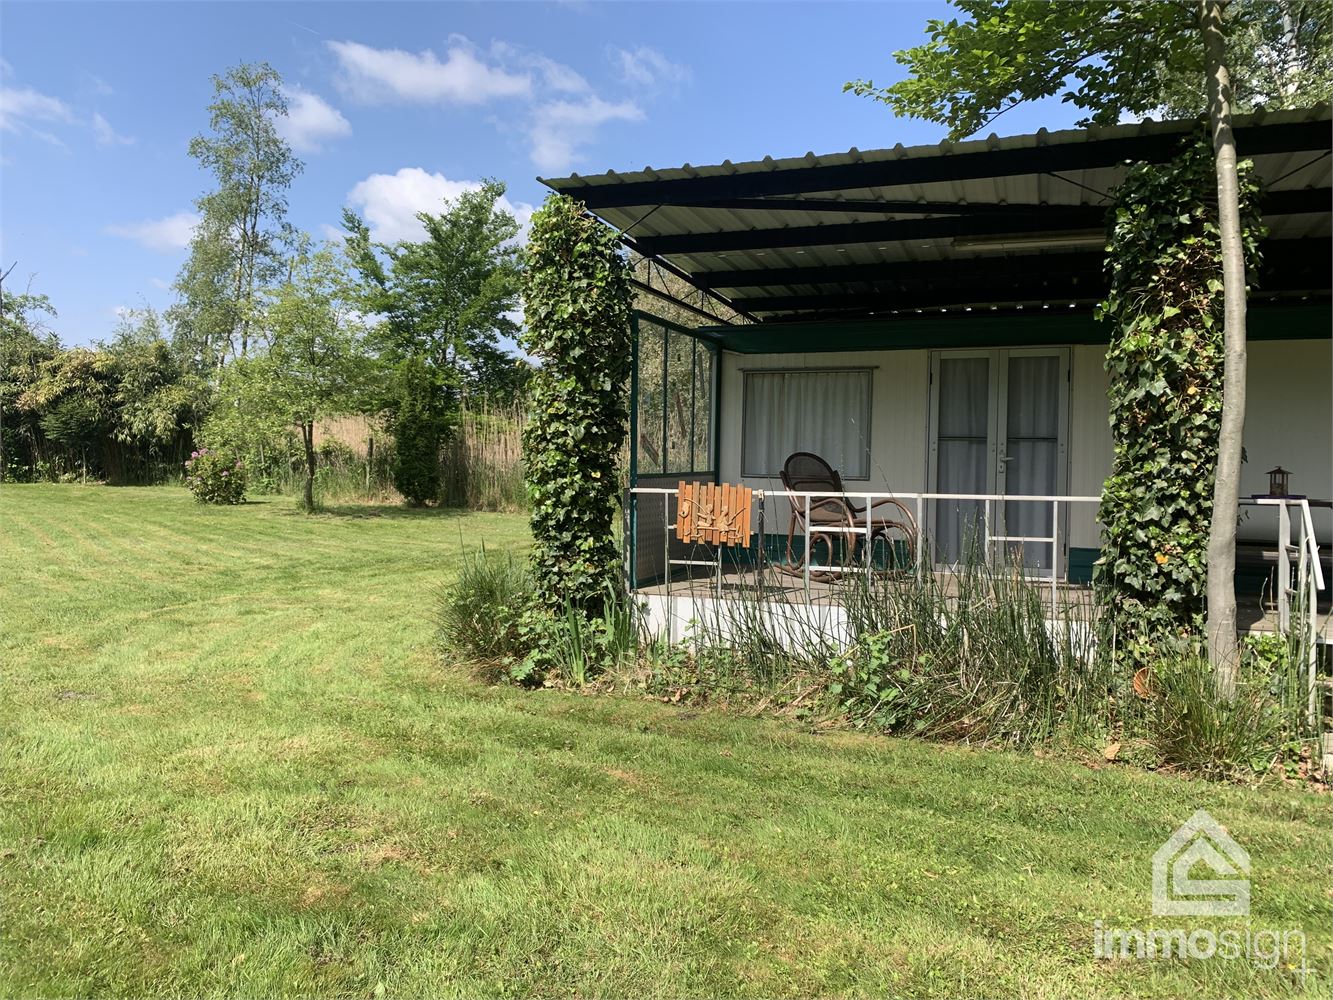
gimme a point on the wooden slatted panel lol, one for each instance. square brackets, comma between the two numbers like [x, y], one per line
[713, 514]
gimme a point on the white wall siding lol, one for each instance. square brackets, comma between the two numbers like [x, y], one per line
[1289, 421]
[1090, 448]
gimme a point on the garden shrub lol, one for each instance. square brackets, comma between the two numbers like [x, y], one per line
[215, 477]
[480, 613]
[418, 430]
[875, 685]
[487, 616]
[1165, 363]
[572, 646]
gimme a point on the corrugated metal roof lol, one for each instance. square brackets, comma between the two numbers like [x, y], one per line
[650, 205]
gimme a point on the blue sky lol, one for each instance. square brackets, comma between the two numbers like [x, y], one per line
[397, 105]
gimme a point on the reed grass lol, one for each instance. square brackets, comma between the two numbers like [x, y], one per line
[979, 654]
[482, 462]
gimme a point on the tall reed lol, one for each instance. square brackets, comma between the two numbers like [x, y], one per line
[482, 462]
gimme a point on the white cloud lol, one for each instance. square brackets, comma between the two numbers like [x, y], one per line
[21, 106]
[167, 234]
[554, 75]
[310, 121]
[560, 128]
[376, 75]
[390, 202]
[645, 67]
[159, 283]
[106, 135]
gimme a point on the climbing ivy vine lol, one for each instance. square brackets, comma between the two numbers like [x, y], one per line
[577, 312]
[1165, 364]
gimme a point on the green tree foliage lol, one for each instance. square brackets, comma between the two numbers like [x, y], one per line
[1108, 59]
[74, 394]
[316, 364]
[445, 302]
[243, 421]
[1280, 53]
[418, 427]
[115, 410]
[496, 377]
[239, 246]
[577, 297]
[25, 343]
[1165, 367]
[448, 298]
[156, 396]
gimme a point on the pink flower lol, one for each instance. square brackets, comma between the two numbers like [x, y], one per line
[194, 454]
[224, 473]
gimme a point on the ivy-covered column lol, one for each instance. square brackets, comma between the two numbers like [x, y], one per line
[577, 313]
[1165, 366]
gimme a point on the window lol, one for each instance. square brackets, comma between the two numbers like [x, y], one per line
[824, 412]
[675, 404]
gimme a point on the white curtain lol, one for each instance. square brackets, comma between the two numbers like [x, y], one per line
[1031, 448]
[962, 450]
[827, 413]
[1032, 445]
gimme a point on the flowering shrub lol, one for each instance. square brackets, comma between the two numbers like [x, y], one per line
[215, 477]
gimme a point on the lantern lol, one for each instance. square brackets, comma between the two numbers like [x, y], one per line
[1279, 482]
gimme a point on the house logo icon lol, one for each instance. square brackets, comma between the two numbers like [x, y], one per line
[1175, 892]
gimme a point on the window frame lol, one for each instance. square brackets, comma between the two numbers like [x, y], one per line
[670, 330]
[867, 370]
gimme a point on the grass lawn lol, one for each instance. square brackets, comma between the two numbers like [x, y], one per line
[232, 764]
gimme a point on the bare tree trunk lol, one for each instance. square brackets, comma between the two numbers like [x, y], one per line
[1223, 649]
[308, 436]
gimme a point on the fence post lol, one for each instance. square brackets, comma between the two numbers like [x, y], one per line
[920, 539]
[1283, 568]
[870, 555]
[759, 549]
[807, 553]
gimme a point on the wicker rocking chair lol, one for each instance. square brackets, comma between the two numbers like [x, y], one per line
[831, 514]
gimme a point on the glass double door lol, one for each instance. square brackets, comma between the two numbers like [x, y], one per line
[999, 423]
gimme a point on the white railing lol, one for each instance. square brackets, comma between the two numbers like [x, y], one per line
[802, 500]
[1303, 552]
[1306, 585]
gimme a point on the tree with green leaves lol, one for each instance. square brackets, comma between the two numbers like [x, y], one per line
[73, 401]
[446, 301]
[25, 343]
[158, 401]
[1135, 57]
[318, 356]
[1165, 367]
[240, 244]
[452, 291]
[316, 364]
